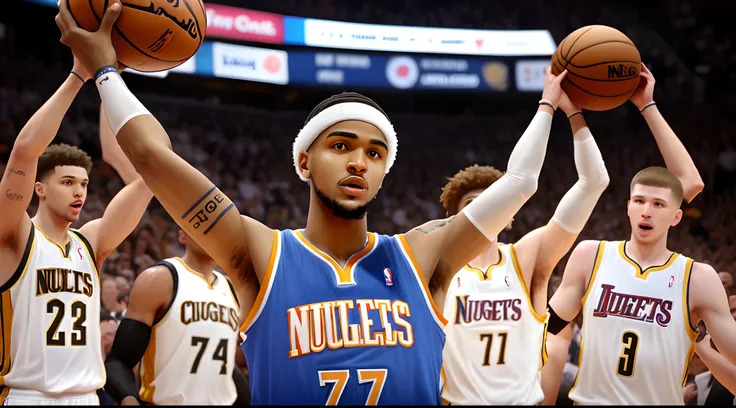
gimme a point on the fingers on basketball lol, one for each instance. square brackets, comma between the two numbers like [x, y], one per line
[111, 15]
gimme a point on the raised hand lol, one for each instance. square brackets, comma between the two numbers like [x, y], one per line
[94, 50]
[552, 89]
[81, 70]
[644, 93]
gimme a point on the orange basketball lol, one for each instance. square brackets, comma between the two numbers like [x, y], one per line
[149, 35]
[602, 65]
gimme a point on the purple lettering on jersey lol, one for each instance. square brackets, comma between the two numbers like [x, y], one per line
[643, 308]
[468, 311]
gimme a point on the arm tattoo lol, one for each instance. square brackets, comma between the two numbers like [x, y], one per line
[17, 172]
[206, 207]
[13, 196]
[437, 226]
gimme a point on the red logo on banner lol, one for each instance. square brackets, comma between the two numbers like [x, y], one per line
[243, 24]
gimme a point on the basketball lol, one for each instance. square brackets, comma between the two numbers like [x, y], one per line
[149, 35]
[602, 64]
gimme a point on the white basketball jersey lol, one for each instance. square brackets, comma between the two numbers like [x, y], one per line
[637, 339]
[495, 340]
[191, 353]
[51, 320]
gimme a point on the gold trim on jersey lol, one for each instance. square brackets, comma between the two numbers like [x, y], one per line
[6, 314]
[149, 364]
[598, 259]
[580, 366]
[488, 274]
[344, 275]
[6, 318]
[88, 249]
[188, 268]
[692, 332]
[4, 392]
[265, 283]
[688, 359]
[643, 274]
[545, 355]
[520, 275]
[418, 270]
[67, 247]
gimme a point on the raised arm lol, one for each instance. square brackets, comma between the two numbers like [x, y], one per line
[198, 207]
[540, 250]
[676, 157]
[447, 246]
[127, 207]
[20, 174]
[710, 303]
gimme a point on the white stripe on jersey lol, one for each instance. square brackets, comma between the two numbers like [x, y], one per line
[495, 339]
[637, 339]
[191, 353]
[51, 320]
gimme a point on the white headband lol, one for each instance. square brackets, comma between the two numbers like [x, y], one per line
[341, 112]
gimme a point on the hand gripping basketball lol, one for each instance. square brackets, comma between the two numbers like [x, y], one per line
[644, 93]
[552, 88]
[93, 49]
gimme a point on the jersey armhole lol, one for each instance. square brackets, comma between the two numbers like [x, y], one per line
[232, 290]
[23, 264]
[596, 265]
[174, 291]
[88, 246]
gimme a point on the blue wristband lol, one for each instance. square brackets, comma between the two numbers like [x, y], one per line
[104, 70]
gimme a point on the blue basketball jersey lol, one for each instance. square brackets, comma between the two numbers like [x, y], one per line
[365, 334]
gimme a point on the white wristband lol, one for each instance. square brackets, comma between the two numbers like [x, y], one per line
[120, 104]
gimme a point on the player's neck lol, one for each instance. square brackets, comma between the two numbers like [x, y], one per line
[490, 256]
[648, 254]
[201, 264]
[54, 227]
[337, 237]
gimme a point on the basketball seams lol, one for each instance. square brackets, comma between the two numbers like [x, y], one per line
[602, 96]
[573, 45]
[196, 21]
[601, 43]
[603, 62]
[601, 80]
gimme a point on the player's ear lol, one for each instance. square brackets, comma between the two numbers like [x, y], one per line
[678, 217]
[304, 165]
[39, 188]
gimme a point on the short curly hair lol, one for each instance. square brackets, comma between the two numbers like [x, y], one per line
[468, 179]
[61, 154]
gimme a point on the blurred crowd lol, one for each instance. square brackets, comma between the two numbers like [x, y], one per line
[246, 151]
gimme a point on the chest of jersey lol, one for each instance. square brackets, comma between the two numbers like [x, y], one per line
[321, 317]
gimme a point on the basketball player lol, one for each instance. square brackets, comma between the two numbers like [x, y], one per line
[343, 315]
[640, 301]
[496, 304]
[50, 307]
[193, 315]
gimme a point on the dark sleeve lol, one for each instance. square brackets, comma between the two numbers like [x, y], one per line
[556, 323]
[242, 386]
[131, 341]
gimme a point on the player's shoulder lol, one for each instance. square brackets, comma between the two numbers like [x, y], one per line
[156, 275]
[589, 246]
[702, 270]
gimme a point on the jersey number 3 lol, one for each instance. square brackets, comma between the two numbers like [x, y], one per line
[627, 359]
[54, 337]
[376, 376]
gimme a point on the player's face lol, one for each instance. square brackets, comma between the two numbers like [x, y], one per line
[346, 166]
[64, 191]
[468, 198]
[652, 211]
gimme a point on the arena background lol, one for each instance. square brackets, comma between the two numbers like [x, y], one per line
[239, 132]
